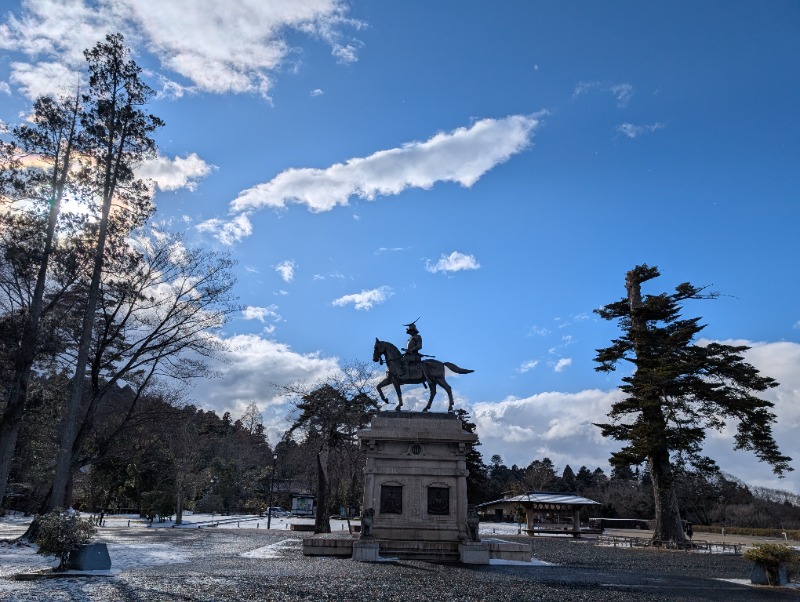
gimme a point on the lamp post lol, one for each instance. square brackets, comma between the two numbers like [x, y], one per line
[271, 485]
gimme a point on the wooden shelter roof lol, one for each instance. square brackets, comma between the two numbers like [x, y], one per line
[542, 499]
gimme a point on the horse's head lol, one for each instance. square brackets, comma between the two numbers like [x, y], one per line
[377, 351]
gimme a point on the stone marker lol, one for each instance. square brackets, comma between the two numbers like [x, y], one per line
[89, 557]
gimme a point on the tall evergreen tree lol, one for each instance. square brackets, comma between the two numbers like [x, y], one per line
[118, 137]
[677, 391]
[478, 485]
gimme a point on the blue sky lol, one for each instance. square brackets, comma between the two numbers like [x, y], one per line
[491, 168]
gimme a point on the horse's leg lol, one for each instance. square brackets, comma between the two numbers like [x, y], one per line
[447, 388]
[432, 384]
[399, 395]
[380, 386]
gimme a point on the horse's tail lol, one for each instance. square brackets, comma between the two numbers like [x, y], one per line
[456, 369]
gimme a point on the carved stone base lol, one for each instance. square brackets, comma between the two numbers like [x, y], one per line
[416, 477]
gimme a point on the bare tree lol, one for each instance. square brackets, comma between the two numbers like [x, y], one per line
[36, 169]
[329, 414]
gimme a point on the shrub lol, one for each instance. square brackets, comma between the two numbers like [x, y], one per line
[60, 532]
[771, 556]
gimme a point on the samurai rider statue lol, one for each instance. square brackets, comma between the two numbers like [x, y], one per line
[410, 365]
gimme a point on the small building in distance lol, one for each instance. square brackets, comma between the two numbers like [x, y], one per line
[544, 512]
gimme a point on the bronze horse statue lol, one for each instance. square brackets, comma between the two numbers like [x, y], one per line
[432, 374]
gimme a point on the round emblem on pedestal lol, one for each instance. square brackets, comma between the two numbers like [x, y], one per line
[416, 449]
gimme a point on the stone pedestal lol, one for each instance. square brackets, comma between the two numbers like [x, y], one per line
[416, 482]
[759, 576]
[474, 552]
[366, 551]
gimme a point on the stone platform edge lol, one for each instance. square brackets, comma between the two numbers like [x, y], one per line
[342, 547]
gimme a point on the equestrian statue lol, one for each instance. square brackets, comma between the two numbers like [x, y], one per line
[410, 369]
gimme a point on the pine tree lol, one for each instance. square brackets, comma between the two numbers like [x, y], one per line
[677, 391]
[117, 137]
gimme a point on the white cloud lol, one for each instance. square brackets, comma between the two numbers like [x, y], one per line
[286, 270]
[461, 156]
[316, 92]
[44, 79]
[218, 46]
[454, 262]
[558, 424]
[173, 174]
[5, 88]
[634, 131]
[562, 364]
[228, 232]
[255, 369]
[365, 299]
[528, 365]
[252, 312]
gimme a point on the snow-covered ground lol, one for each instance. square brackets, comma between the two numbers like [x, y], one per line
[129, 553]
[126, 555]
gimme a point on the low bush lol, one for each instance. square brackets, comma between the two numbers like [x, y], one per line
[60, 532]
[772, 556]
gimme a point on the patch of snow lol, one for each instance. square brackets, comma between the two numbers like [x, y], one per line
[273, 550]
[533, 562]
[133, 556]
[790, 585]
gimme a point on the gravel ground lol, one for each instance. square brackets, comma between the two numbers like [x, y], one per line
[217, 571]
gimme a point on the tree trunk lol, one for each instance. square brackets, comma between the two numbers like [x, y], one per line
[322, 523]
[9, 430]
[179, 505]
[668, 525]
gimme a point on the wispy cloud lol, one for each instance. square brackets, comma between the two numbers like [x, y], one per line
[218, 47]
[634, 131]
[454, 262]
[316, 92]
[462, 156]
[366, 299]
[286, 270]
[622, 92]
[527, 366]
